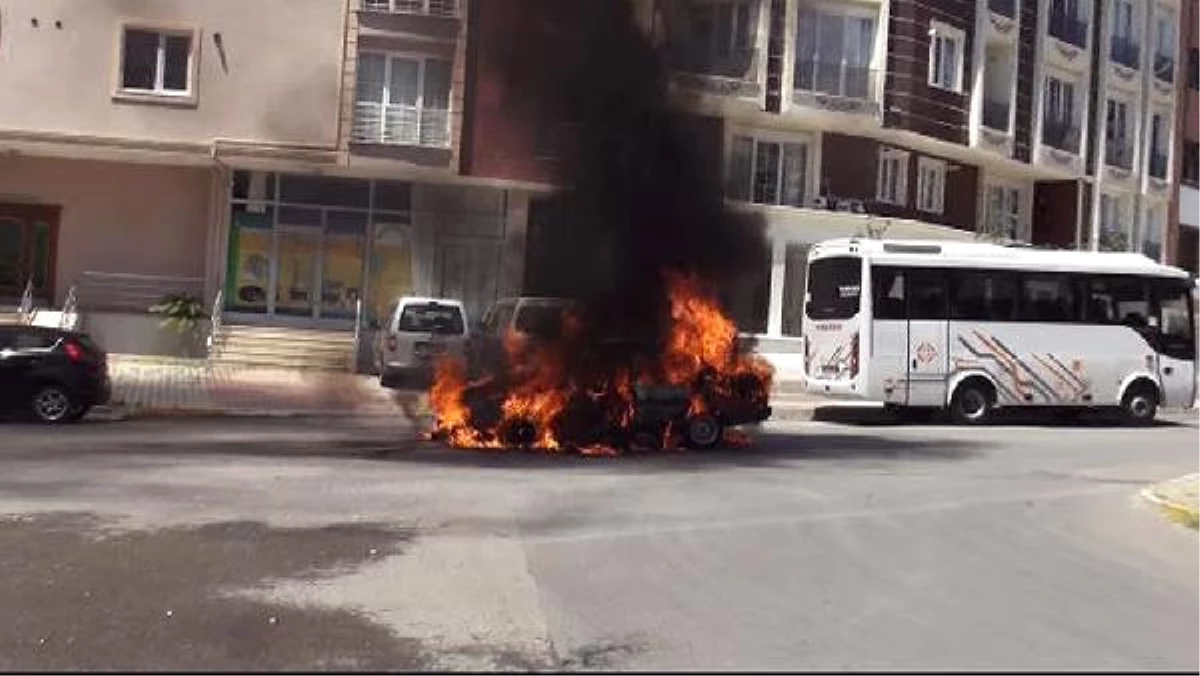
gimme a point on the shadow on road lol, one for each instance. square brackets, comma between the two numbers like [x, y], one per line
[860, 416]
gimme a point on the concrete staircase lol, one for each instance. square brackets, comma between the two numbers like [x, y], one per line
[283, 347]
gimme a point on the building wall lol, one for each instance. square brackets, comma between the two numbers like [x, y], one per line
[1027, 36]
[117, 218]
[266, 71]
[851, 168]
[909, 101]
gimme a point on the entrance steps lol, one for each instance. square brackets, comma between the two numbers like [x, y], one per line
[283, 347]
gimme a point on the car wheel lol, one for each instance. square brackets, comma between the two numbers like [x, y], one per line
[971, 405]
[52, 404]
[703, 431]
[1139, 406]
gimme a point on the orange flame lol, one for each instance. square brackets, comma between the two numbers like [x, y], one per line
[702, 347]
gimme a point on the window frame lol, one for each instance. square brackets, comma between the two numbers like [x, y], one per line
[1012, 199]
[941, 32]
[426, 8]
[159, 94]
[422, 59]
[746, 191]
[900, 157]
[938, 168]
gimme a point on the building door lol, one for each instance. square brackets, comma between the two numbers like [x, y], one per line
[297, 259]
[28, 238]
[927, 337]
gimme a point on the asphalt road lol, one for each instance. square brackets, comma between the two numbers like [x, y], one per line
[301, 544]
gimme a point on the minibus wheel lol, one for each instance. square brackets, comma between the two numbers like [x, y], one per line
[972, 403]
[1140, 404]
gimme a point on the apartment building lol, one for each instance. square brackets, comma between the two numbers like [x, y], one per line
[948, 119]
[1185, 206]
[295, 157]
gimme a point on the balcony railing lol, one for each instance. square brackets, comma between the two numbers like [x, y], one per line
[995, 115]
[428, 7]
[1164, 67]
[1158, 165]
[836, 79]
[400, 125]
[1069, 29]
[1124, 51]
[1118, 154]
[1003, 7]
[1061, 135]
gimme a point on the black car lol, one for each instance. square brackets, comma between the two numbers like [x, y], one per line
[54, 375]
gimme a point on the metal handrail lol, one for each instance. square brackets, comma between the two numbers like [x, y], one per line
[25, 310]
[69, 319]
[214, 321]
[358, 311]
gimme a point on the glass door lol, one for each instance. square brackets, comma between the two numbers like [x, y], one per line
[296, 257]
[342, 263]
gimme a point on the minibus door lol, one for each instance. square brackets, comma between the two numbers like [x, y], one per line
[928, 356]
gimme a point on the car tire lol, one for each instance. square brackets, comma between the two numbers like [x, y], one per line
[703, 431]
[1139, 406]
[79, 412]
[52, 404]
[972, 404]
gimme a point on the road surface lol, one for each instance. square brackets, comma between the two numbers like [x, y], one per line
[300, 544]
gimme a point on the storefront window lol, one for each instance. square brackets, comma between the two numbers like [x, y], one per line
[249, 273]
[795, 270]
[391, 266]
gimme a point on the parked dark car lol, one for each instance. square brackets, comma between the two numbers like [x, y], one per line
[53, 375]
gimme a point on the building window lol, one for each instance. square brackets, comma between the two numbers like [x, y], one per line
[430, 7]
[402, 100]
[768, 172]
[1118, 150]
[1067, 22]
[1189, 173]
[892, 182]
[1003, 212]
[833, 53]
[721, 32]
[795, 269]
[1123, 45]
[1164, 44]
[1114, 223]
[1150, 237]
[931, 185]
[1160, 136]
[946, 56]
[1058, 123]
[156, 62]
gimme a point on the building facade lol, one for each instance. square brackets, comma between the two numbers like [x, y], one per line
[294, 167]
[1185, 208]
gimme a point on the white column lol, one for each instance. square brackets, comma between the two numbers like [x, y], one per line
[778, 280]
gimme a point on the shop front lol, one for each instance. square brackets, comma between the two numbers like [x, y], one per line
[303, 250]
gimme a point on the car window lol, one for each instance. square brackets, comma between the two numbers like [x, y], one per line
[500, 318]
[34, 340]
[432, 318]
[541, 320]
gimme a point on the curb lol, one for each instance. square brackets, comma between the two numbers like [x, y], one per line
[1184, 514]
[145, 413]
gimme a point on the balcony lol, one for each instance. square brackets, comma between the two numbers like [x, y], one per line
[1158, 165]
[835, 85]
[1164, 67]
[1118, 154]
[443, 8]
[1124, 51]
[995, 115]
[1006, 8]
[400, 125]
[1069, 29]
[1061, 135]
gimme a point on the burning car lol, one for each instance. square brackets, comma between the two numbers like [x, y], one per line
[602, 395]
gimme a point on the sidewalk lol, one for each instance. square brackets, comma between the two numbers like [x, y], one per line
[1178, 498]
[150, 386]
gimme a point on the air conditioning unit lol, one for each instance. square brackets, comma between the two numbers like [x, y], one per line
[819, 202]
[844, 206]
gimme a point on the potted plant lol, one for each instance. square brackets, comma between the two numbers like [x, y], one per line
[182, 314]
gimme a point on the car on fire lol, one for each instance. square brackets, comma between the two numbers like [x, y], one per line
[529, 318]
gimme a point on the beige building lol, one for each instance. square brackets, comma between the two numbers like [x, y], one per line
[293, 156]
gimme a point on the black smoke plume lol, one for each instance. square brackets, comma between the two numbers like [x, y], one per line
[640, 194]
